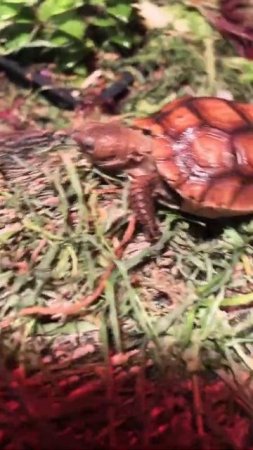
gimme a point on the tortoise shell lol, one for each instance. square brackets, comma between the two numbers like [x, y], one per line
[203, 149]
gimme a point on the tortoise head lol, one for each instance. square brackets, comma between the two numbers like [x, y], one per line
[105, 143]
[111, 146]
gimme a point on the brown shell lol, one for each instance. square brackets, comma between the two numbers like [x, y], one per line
[203, 148]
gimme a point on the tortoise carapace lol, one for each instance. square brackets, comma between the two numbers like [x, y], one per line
[200, 148]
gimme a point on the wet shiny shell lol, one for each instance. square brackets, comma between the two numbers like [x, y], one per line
[203, 148]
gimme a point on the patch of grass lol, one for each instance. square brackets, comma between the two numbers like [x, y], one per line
[76, 247]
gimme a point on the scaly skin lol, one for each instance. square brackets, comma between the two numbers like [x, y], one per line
[113, 147]
[141, 202]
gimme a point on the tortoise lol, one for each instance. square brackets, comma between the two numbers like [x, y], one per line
[197, 151]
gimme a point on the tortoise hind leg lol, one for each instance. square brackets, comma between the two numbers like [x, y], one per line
[142, 202]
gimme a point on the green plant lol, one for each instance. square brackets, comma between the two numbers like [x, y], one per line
[75, 28]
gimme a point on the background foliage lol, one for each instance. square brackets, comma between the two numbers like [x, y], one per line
[74, 27]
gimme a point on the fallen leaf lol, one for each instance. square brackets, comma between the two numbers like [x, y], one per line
[154, 16]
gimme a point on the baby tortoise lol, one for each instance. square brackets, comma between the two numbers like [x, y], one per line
[198, 150]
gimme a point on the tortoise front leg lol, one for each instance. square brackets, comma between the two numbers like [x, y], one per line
[142, 202]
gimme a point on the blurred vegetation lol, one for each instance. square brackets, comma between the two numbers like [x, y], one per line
[143, 37]
[75, 28]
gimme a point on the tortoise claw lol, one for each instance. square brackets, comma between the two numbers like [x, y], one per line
[152, 233]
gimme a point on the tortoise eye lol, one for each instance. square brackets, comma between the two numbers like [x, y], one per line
[88, 143]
